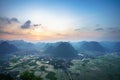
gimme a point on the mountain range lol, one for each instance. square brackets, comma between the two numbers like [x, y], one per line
[6, 47]
[62, 49]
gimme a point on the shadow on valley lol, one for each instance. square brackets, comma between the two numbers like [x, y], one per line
[20, 60]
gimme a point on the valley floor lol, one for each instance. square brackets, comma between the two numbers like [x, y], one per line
[105, 67]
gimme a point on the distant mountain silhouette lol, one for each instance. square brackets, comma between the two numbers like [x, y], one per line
[63, 49]
[22, 45]
[49, 49]
[92, 46]
[111, 46]
[117, 47]
[5, 47]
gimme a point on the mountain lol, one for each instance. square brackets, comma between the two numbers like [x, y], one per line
[117, 47]
[49, 49]
[5, 47]
[92, 46]
[22, 45]
[111, 46]
[91, 49]
[77, 45]
[63, 49]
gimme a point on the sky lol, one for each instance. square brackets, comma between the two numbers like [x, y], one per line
[60, 20]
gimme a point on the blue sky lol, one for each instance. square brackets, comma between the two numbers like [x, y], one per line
[83, 18]
[76, 7]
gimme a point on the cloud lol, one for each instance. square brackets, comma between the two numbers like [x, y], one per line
[114, 28]
[3, 32]
[26, 25]
[10, 26]
[60, 34]
[14, 20]
[36, 25]
[99, 29]
[112, 33]
[9, 33]
[97, 25]
[5, 21]
[77, 29]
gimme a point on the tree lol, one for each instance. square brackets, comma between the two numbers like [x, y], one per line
[6, 77]
[51, 76]
[42, 68]
[26, 75]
